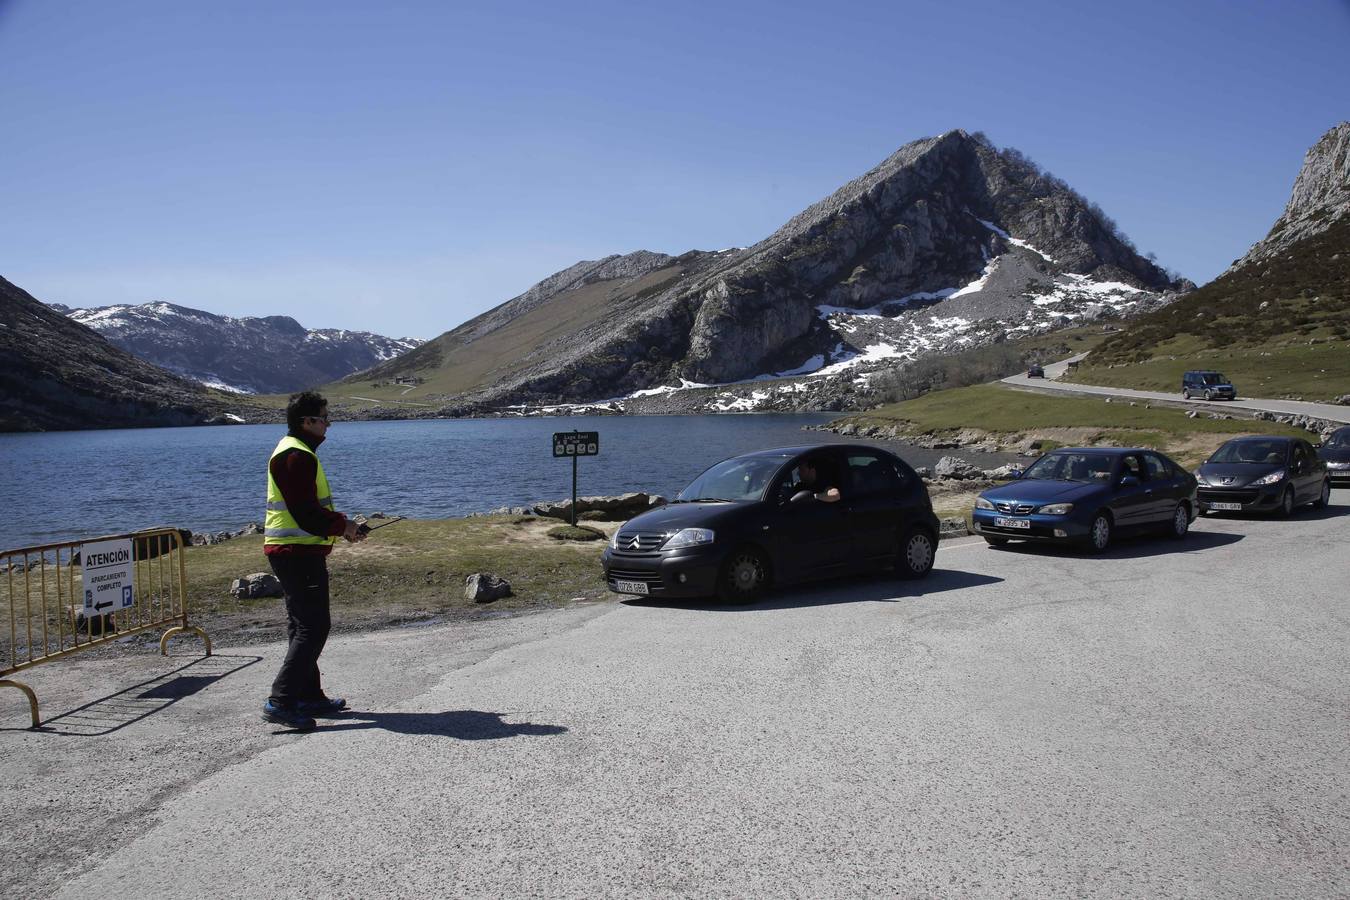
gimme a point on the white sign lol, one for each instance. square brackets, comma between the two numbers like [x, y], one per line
[108, 577]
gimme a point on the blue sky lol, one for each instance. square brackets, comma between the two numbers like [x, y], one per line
[400, 167]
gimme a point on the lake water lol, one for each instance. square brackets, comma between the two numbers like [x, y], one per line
[77, 484]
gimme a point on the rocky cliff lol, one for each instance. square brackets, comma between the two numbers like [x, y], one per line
[269, 355]
[57, 374]
[1320, 198]
[948, 243]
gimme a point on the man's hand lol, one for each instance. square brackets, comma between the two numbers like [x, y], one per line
[830, 496]
[353, 532]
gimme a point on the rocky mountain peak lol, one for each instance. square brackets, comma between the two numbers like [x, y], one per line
[1321, 196]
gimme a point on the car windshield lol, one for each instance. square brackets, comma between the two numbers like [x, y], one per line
[1262, 453]
[1083, 467]
[1339, 438]
[1213, 378]
[739, 479]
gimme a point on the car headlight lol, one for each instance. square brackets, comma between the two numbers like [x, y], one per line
[1056, 509]
[1338, 465]
[1273, 478]
[1201, 479]
[688, 537]
[981, 503]
[614, 540]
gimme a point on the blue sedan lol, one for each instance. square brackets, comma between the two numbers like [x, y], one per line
[1085, 495]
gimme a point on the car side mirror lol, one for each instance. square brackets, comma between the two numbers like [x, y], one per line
[1129, 481]
[801, 497]
[1015, 474]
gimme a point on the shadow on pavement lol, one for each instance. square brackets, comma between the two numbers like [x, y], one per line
[464, 724]
[116, 711]
[855, 589]
[1127, 547]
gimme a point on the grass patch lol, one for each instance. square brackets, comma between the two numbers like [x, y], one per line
[1318, 372]
[1018, 418]
[576, 533]
[410, 571]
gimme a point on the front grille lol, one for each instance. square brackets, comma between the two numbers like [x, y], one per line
[651, 579]
[1016, 509]
[639, 542]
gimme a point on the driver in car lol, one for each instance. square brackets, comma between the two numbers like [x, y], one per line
[809, 477]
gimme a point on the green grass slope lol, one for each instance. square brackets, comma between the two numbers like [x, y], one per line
[1278, 328]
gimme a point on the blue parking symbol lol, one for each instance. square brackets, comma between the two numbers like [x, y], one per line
[126, 596]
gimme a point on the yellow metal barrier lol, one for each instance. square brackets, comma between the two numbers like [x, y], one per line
[60, 603]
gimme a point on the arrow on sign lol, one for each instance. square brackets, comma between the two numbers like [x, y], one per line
[105, 605]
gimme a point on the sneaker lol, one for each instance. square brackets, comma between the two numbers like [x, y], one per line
[324, 706]
[291, 718]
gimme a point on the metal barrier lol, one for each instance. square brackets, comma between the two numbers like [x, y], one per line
[67, 597]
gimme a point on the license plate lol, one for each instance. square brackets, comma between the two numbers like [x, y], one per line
[1225, 506]
[631, 587]
[1012, 523]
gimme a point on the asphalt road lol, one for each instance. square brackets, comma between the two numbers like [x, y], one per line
[1053, 371]
[1170, 719]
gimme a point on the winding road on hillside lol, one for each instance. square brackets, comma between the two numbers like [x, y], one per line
[1054, 371]
[1167, 719]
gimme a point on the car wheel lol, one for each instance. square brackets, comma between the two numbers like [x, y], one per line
[1099, 535]
[743, 577]
[996, 541]
[916, 556]
[1287, 503]
[1185, 394]
[1209, 395]
[1181, 522]
[1324, 499]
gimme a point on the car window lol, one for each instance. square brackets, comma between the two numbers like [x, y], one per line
[1060, 466]
[1339, 438]
[1247, 451]
[868, 475]
[1157, 468]
[1300, 455]
[742, 478]
[795, 480]
[1132, 466]
[903, 473]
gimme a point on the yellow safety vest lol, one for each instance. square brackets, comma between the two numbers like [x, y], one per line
[279, 526]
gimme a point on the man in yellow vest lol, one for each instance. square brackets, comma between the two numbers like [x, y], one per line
[299, 531]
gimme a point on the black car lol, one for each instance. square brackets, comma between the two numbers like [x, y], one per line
[1335, 452]
[1257, 473]
[1207, 384]
[1085, 495]
[1035, 371]
[766, 519]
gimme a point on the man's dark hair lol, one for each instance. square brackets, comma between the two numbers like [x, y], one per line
[301, 405]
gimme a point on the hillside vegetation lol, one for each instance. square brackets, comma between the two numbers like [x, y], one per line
[1277, 327]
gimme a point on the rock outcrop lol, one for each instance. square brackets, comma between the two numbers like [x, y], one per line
[1320, 198]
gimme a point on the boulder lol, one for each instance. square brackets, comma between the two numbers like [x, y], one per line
[484, 587]
[615, 509]
[1003, 473]
[924, 472]
[955, 467]
[259, 584]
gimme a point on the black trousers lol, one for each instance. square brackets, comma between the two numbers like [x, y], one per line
[304, 578]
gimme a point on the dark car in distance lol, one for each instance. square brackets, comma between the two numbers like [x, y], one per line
[761, 519]
[1335, 452]
[1086, 495]
[1263, 474]
[1207, 384]
[1035, 371]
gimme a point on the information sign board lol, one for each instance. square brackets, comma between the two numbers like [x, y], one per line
[576, 443]
[107, 576]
